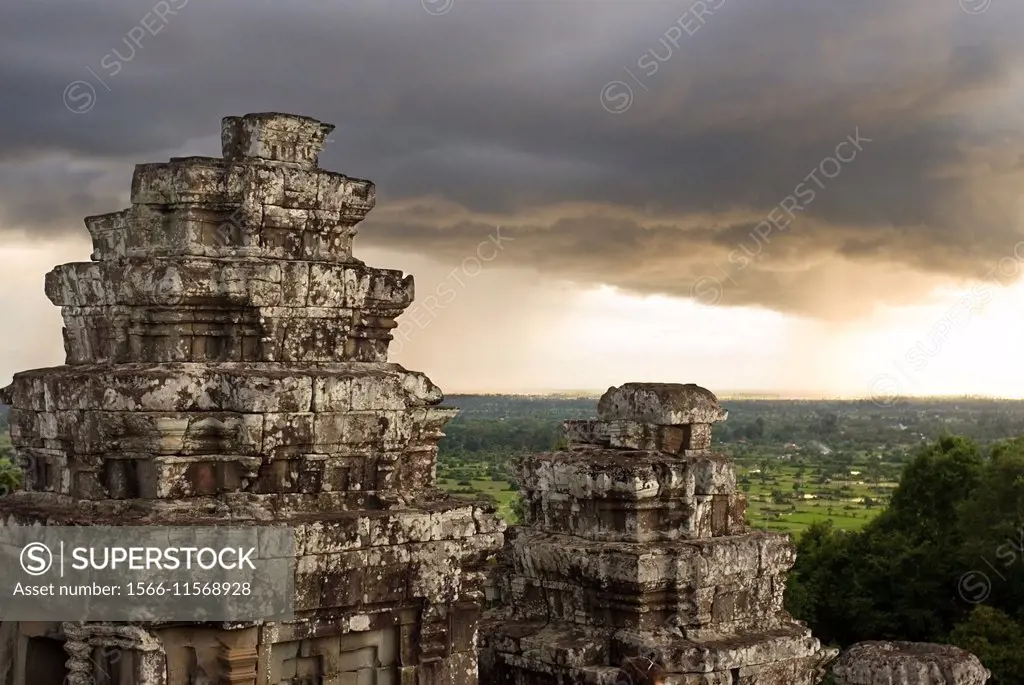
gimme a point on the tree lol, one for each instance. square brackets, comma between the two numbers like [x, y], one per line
[803, 590]
[899, 573]
[899, 578]
[10, 476]
[991, 525]
[829, 424]
[997, 640]
[518, 508]
[933, 486]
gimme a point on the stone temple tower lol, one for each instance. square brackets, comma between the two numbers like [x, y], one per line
[634, 546]
[227, 362]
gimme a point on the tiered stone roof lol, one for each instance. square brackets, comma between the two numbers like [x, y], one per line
[634, 544]
[227, 362]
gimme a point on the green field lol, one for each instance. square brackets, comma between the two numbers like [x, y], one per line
[774, 504]
[500, 492]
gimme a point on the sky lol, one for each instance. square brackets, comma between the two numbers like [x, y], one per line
[788, 197]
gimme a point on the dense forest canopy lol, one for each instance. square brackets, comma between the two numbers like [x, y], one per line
[981, 419]
[944, 562]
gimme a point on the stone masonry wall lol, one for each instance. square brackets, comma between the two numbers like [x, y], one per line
[634, 545]
[227, 361]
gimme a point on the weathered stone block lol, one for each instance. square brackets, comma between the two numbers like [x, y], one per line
[182, 180]
[636, 567]
[908, 663]
[108, 234]
[659, 520]
[258, 184]
[273, 136]
[625, 435]
[666, 404]
[613, 474]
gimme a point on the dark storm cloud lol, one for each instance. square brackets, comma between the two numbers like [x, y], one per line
[490, 114]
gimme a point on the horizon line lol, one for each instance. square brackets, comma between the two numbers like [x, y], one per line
[750, 395]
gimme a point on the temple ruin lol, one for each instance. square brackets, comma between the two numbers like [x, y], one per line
[634, 544]
[227, 363]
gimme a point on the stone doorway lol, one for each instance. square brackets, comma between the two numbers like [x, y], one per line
[44, 661]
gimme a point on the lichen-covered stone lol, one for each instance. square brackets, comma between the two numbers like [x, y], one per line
[274, 136]
[227, 362]
[908, 663]
[604, 494]
[635, 544]
[663, 404]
